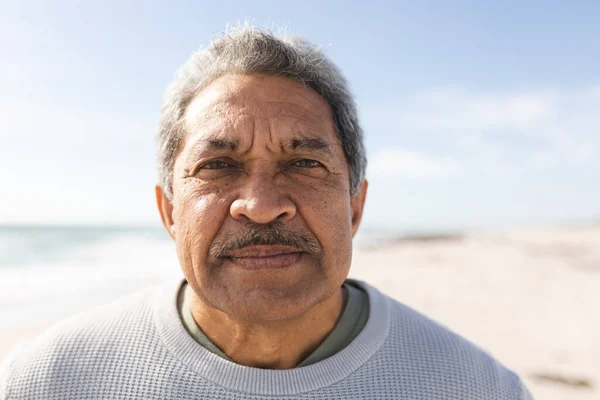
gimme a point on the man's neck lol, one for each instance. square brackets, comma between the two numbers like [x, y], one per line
[272, 345]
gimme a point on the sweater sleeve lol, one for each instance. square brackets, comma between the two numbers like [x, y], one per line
[526, 395]
[6, 366]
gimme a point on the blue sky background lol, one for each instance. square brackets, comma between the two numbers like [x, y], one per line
[476, 114]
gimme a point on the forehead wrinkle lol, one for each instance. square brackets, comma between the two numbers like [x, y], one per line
[221, 118]
[217, 128]
[244, 87]
[252, 137]
[280, 108]
[233, 104]
[304, 129]
[262, 109]
[218, 115]
[204, 113]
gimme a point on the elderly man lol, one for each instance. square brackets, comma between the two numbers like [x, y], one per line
[261, 186]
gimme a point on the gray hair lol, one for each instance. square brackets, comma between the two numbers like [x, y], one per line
[245, 50]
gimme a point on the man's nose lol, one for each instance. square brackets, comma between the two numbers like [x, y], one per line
[262, 202]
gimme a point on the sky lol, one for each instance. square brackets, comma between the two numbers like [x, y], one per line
[476, 114]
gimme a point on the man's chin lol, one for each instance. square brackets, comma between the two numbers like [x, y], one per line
[270, 303]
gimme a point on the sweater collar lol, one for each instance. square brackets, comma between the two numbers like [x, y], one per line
[264, 381]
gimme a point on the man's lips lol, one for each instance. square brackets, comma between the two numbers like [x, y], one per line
[269, 257]
[263, 251]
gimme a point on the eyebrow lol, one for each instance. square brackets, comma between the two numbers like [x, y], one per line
[221, 144]
[316, 145]
[215, 144]
[310, 144]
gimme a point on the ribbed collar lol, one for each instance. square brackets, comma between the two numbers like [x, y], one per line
[259, 381]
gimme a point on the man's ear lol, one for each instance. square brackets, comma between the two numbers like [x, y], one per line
[357, 204]
[165, 208]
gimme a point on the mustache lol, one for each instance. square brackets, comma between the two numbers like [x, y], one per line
[256, 235]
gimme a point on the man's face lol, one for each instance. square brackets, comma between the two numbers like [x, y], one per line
[262, 214]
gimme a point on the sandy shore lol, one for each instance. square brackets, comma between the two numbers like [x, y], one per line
[529, 297]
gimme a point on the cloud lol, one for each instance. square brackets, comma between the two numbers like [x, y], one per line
[457, 109]
[408, 164]
[501, 132]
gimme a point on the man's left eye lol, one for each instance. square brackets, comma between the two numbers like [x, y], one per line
[216, 164]
[305, 163]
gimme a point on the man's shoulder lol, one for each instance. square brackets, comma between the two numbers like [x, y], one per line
[114, 316]
[416, 342]
[81, 343]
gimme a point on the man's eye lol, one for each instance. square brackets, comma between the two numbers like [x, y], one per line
[216, 164]
[304, 163]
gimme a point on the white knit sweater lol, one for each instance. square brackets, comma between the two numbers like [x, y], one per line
[137, 348]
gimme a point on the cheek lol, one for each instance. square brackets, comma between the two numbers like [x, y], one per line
[328, 216]
[198, 218]
[199, 211]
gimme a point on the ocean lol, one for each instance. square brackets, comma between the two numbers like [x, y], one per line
[50, 272]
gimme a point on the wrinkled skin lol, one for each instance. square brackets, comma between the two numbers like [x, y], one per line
[262, 164]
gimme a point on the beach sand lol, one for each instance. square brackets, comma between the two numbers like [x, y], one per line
[529, 297]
